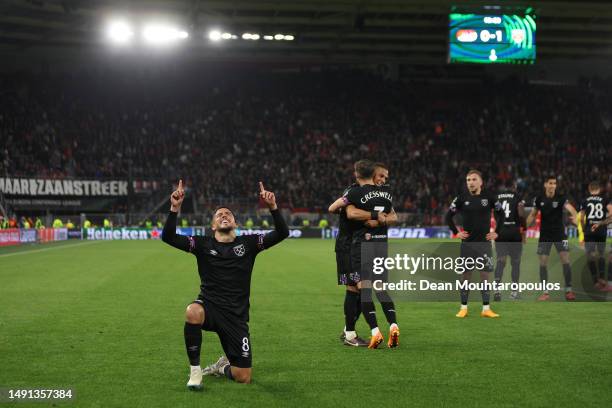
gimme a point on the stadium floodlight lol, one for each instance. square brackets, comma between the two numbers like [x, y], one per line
[279, 37]
[289, 37]
[120, 32]
[268, 37]
[246, 36]
[214, 35]
[226, 36]
[159, 34]
[254, 36]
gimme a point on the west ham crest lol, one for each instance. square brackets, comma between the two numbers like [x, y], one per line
[555, 204]
[239, 250]
[484, 202]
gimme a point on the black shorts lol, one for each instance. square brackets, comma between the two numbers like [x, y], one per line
[512, 249]
[362, 260]
[478, 250]
[594, 246]
[343, 269]
[233, 333]
[544, 247]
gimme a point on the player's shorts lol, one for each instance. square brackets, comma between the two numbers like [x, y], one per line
[544, 247]
[233, 333]
[512, 249]
[478, 250]
[343, 269]
[362, 259]
[595, 246]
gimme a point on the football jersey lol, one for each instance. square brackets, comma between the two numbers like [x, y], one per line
[551, 225]
[370, 198]
[345, 227]
[475, 211]
[508, 220]
[595, 211]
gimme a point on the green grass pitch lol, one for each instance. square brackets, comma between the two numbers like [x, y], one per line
[106, 318]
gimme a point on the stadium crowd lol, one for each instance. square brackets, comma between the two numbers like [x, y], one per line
[300, 132]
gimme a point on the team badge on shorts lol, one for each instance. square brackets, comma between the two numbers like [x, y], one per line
[239, 250]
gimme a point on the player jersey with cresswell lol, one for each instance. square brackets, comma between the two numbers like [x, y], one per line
[594, 208]
[507, 216]
[475, 209]
[345, 227]
[551, 224]
[370, 197]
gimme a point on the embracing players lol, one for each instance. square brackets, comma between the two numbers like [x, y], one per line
[346, 276]
[593, 212]
[509, 220]
[552, 232]
[225, 264]
[475, 207]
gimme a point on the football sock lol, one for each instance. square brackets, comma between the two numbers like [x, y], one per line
[567, 274]
[516, 270]
[463, 306]
[486, 307]
[367, 307]
[543, 273]
[351, 303]
[193, 342]
[350, 335]
[227, 370]
[486, 296]
[358, 306]
[499, 270]
[387, 305]
[593, 269]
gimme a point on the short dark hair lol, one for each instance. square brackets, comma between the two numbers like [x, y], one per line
[364, 168]
[221, 207]
[550, 178]
[594, 185]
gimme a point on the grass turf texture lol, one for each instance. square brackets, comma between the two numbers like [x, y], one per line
[106, 318]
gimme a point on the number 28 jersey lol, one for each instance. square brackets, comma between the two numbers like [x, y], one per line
[595, 211]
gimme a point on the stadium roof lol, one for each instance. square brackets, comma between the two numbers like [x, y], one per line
[324, 30]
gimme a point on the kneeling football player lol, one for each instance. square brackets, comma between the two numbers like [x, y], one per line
[225, 264]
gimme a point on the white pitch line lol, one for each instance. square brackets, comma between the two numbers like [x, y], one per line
[49, 249]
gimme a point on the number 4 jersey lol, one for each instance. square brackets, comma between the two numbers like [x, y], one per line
[595, 211]
[508, 216]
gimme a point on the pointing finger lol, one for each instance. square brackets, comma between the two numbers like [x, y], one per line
[261, 187]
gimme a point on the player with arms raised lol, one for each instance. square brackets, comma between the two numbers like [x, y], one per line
[552, 232]
[225, 264]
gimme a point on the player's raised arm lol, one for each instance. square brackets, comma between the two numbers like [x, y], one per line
[532, 216]
[169, 235]
[337, 205]
[281, 231]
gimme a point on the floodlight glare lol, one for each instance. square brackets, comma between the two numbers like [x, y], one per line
[214, 35]
[158, 34]
[226, 36]
[268, 37]
[289, 37]
[254, 36]
[246, 36]
[279, 37]
[119, 32]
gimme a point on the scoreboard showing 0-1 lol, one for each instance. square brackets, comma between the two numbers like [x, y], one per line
[492, 39]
